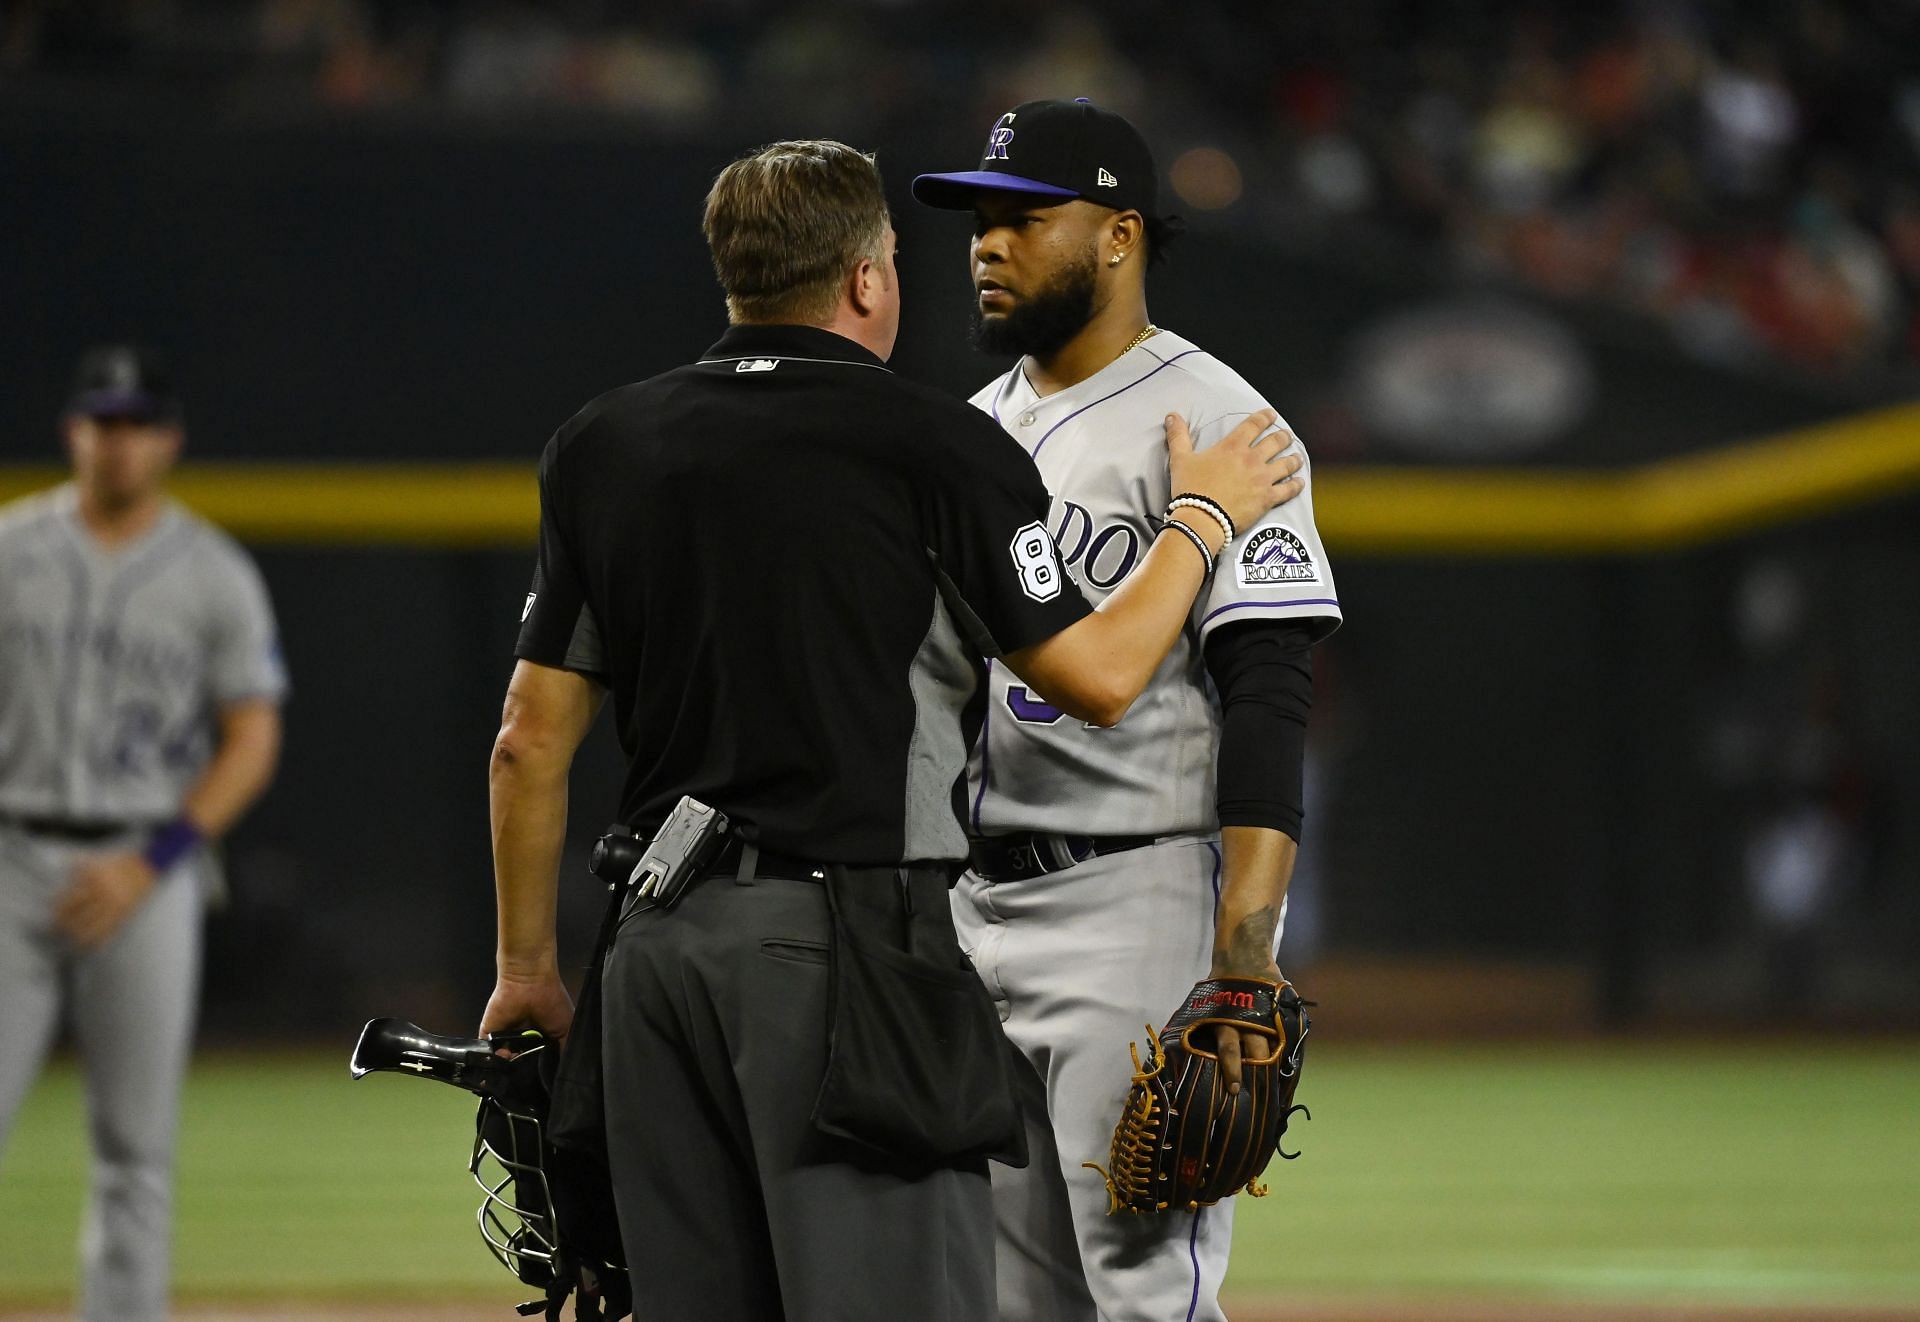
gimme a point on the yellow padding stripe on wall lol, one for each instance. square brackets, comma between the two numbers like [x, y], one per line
[1659, 506]
[1361, 511]
[448, 505]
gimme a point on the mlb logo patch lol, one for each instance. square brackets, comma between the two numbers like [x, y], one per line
[1276, 555]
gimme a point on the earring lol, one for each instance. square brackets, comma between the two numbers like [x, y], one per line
[1114, 260]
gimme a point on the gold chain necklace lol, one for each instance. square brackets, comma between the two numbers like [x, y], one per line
[1137, 341]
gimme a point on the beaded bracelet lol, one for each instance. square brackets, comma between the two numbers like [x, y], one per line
[1199, 542]
[1194, 500]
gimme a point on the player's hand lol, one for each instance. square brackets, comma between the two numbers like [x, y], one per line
[528, 1000]
[100, 895]
[1245, 473]
[1234, 1045]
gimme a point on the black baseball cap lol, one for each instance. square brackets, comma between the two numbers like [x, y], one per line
[1058, 150]
[124, 381]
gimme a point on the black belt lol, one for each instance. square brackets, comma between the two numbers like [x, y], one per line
[1036, 853]
[617, 854]
[62, 828]
[770, 863]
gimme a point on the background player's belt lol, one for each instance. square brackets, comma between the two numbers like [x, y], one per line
[63, 828]
[1036, 853]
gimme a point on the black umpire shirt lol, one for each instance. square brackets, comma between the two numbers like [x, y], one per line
[786, 563]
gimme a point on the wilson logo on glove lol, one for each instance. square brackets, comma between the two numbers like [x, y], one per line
[1238, 1000]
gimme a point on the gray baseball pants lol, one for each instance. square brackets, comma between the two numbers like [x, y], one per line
[1079, 963]
[733, 1208]
[130, 1004]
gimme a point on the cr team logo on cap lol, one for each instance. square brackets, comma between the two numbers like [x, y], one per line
[1000, 138]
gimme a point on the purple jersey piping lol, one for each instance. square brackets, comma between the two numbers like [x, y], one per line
[1164, 363]
[1257, 605]
[1193, 1256]
[1193, 1236]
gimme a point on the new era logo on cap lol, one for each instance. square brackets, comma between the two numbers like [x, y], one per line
[1108, 181]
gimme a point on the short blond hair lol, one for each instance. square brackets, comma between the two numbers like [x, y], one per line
[787, 223]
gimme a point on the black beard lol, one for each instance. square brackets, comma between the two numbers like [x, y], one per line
[1042, 323]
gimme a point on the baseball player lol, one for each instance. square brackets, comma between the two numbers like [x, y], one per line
[139, 718]
[1113, 868]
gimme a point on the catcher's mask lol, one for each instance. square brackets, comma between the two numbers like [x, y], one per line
[546, 1213]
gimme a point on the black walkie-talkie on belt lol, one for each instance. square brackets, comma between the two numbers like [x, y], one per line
[680, 850]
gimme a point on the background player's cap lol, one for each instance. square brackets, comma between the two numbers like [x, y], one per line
[1057, 150]
[124, 381]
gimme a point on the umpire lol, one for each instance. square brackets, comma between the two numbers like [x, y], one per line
[789, 566]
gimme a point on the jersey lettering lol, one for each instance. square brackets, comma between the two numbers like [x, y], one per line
[1103, 570]
[1029, 709]
[1110, 555]
[1076, 525]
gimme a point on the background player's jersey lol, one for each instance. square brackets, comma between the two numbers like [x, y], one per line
[1101, 446]
[113, 662]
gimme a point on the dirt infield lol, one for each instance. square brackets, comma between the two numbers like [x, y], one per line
[1343, 1310]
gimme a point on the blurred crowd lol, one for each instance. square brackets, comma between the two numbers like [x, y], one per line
[1745, 171]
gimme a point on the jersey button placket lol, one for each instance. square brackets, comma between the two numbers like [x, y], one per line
[1027, 419]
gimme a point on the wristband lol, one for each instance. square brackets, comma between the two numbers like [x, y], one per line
[171, 843]
[1194, 500]
[1199, 542]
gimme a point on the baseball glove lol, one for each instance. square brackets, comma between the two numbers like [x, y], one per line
[1183, 1141]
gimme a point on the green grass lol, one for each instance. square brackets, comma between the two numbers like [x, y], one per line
[1769, 1173]
[293, 1181]
[1766, 1173]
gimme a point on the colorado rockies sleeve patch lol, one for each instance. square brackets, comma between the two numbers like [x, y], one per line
[1276, 555]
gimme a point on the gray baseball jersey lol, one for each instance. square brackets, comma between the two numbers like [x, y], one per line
[115, 661]
[1101, 446]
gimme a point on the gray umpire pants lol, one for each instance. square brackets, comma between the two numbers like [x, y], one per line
[131, 1005]
[732, 1207]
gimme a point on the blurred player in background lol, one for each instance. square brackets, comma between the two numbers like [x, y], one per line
[1113, 868]
[140, 688]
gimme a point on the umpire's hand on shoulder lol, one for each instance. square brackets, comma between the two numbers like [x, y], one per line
[102, 892]
[1247, 473]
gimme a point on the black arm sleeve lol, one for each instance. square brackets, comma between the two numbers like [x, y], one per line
[1264, 672]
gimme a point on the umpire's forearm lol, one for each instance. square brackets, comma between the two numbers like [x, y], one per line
[547, 713]
[1257, 863]
[527, 802]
